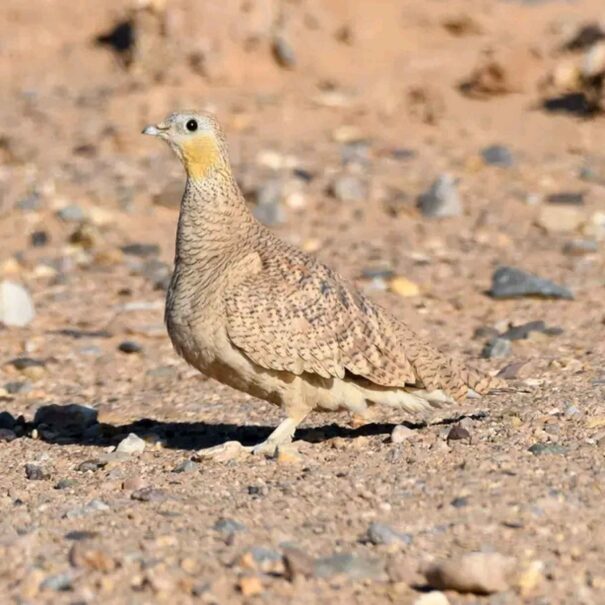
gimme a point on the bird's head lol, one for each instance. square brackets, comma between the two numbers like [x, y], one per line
[197, 140]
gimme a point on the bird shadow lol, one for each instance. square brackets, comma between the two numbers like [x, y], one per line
[189, 435]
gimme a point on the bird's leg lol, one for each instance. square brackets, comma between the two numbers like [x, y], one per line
[283, 434]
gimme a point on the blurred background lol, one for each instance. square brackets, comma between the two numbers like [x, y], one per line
[416, 146]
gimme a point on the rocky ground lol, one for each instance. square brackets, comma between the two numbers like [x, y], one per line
[446, 157]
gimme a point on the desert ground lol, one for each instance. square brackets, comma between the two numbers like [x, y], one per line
[418, 148]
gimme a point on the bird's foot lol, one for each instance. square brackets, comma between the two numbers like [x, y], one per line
[230, 450]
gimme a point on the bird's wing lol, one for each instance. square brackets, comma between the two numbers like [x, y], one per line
[297, 315]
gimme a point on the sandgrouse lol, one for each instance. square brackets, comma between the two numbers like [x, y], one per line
[261, 316]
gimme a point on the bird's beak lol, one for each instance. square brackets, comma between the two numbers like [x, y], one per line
[156, 130]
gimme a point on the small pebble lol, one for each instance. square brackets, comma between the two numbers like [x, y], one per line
[7, 435]
[498, 155]
[538, 449]
[229, 526]
[132, 444]
[38, 239]
[575, 198]
[142, 250]
[71, 214]
[65, 484]
[401, 433]
[477, 573]
[509, 282]
[283, 51]
[497, 348]
[35, 472]
[149, 494]
[434, 597]
[348, 188]
[579, 247]
[129, 346]
[16, 305]
[187, 466]
[458, 433]
[355, 567]
[442, 199]
[380, 533]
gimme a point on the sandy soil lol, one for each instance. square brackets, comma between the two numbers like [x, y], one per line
[392, 94]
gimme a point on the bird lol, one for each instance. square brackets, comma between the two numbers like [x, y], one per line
[258, 314]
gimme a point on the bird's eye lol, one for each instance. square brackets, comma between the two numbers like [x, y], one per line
[191, 125]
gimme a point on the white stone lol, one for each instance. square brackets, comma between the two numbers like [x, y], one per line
[16, 305]
[133, 444]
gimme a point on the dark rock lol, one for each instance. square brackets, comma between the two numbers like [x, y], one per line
[379, 533]
[7, 435]
[566, 197]
[79, 535]
[22, 363]
[7, 420]
[509, 282]
[483, 332]
[458, 433]
[72, 419]
[498, 155]
[523, 331]
[459, 502]
[442, 199]
[129, 346]
[402, 153]
[538, 449]
[352, 566]
[78, 334]
[38, 239]
[35, 472]
[497, 348]
[585, 37]
[142, 250]
[283, 51]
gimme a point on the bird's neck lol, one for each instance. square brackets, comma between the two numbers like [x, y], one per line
[214, 221]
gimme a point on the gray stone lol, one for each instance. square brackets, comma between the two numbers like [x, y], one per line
[35, 472]
[187, 466]
[71, 214]
[348, 188]
[497, 348]
[442, 199]
[572, 198]
[16, 305]
[229, 526]
[354, 567]
[537, 449]
[93, 507]
[132, 444]
[593, 170]
[149, 494]
[380, 533]
[579, 247]
[129, 346]
[498, 155]
[509, 282]
[60, 582]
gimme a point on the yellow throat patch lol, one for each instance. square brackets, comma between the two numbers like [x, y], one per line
[200, 155]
